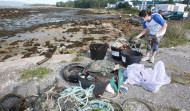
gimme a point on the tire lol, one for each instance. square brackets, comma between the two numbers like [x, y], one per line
[13, 102]
[70, 72]
[169, 18]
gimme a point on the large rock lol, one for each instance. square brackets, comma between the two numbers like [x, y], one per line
[28, 44]
[62, 49]
[34, 39]
[37, 44]
[27, 55]
[33, 49]
[51, 26]
[14, 43]
[13, 47]
[5, 57]
[2, 50]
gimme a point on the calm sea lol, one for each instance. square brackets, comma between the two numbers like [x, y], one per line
[7, 6]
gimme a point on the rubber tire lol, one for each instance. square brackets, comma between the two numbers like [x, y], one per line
[67, 74]
[13, 104]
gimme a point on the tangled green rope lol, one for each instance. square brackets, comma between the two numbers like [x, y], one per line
[80, 97]
[103, 104]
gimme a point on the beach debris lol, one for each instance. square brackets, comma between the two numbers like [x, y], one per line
[48, 55]
[15, 102]
[80, 100]
[149, 79]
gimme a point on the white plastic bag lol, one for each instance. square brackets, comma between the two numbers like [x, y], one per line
[156, 79]
[133, 74]
[149, 79]
[109, 89]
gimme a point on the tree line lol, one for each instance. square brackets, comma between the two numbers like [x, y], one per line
[103, 3]
[86, 3]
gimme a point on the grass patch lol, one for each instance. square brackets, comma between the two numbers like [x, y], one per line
[134, 34]
[39, 72]
[144, 47]
[127, 109]
[175, 34]
[63, 61]
[188, 26]
[167, 42]
[135, 12]
[77, 59]
[70, 51]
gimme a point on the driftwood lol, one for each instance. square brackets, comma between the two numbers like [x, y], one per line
[48, 55]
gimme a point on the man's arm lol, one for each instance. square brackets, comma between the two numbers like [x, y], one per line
[162, 29]
[158, 18]
[142, 33]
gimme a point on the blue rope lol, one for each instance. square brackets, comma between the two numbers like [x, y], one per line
[80, 97]
[76, 93]
[103, 104]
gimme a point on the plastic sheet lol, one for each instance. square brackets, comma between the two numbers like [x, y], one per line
[149, 79]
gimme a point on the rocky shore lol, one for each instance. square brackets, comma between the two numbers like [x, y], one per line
[75, 36]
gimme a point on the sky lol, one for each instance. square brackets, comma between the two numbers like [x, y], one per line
[38, 1]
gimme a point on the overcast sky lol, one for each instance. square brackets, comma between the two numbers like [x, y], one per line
[38, 1]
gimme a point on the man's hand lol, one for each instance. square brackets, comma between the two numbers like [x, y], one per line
[135, 39]
[156, 36]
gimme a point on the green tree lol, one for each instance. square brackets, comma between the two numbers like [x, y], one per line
[93, 3]
[85, 3]
[185, 1]
[60, 4]
[111, 1]
[136, 2]
[171, 2]
[65, 4]
[124, 5]
[187, 9]
[120, 5]
[149, 6]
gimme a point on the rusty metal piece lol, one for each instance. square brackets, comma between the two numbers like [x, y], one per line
[48, 55]
[42, 61]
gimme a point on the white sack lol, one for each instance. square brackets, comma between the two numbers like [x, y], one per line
[149, 79]
[109, 89]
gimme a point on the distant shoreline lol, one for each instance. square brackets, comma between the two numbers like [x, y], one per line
[21, 6]
[14, 6]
